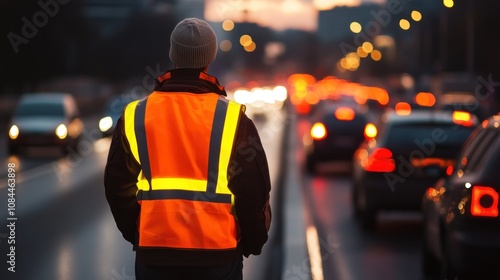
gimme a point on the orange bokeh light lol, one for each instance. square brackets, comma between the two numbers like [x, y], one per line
[403, 108]
[425, 99]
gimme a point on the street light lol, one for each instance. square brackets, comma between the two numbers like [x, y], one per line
[376, 55]
[361, 53]
[355, 27]
[416, 15]
[228, 25]
[251, 47]
[448, 3]
[367, 47]
[245, 40]
[404, 24]
[226, 45]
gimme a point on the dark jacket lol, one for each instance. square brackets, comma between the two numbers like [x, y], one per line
[248, 181]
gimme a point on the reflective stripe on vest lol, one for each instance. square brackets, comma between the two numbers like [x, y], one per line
[183, 186]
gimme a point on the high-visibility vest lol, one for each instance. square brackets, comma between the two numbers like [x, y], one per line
[183, 142]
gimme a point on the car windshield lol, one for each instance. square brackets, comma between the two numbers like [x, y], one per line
[444, 139]
[357, 124]
[40, 110]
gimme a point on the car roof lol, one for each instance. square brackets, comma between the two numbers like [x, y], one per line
[458, 98]
[65, 99]
[419, 116]
[45, 97]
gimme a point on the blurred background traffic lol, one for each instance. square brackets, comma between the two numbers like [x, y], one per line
[379, 117]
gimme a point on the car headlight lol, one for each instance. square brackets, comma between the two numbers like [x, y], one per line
[105, 123]
[61, 131]
[13, 132]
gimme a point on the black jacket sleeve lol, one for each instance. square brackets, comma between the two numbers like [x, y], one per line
[120, 179]
[250, 184]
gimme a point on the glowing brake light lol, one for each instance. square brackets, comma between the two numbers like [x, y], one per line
[449, 170]
[380, 160]
[303, 108]
[462, 118]
[370, 131]
[403, 108]
[484, 202]
[344, 114]
[425, 99]
[318, 131]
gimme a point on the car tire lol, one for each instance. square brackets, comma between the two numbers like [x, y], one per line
[368, 219]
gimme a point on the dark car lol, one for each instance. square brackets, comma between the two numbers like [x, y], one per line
[463, 102]
[112, 112]
[410, 153]
[461, 213]
[337, 130]
[45, 119]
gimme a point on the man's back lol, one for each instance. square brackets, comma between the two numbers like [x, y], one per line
[187, 178]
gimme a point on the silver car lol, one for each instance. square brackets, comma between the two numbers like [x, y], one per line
[45, 119]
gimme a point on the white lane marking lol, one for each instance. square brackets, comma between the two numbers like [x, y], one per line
[314, 251]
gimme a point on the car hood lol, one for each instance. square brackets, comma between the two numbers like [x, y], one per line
[39, 124]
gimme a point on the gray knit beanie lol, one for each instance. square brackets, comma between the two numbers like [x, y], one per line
[193, 44]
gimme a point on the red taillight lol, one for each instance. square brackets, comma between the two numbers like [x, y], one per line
[462, 118]
[449, 170]
[303, 108]
[370, 131]
[484, 202]
[380, 160]
[403, 108]
[318, 131]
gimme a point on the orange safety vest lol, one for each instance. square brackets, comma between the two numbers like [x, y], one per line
[184, 142]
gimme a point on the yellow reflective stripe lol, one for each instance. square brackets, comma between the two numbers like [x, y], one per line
[174, 184]
[129, 115]
[228, 135]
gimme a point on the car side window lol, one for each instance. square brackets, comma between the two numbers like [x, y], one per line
[468, 149]
[493, 161]
[479, 155]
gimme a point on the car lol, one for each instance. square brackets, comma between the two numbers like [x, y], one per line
[45, 119]
[463, 101]
[411, 151]
[337, 129]
[461, 222]
[112, 113]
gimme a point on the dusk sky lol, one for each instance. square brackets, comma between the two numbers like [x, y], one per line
[276, 14]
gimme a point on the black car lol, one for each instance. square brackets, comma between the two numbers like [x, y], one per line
[461, 213]
[463, 102]
[45, 119]
[337, 129]
[410, 153]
